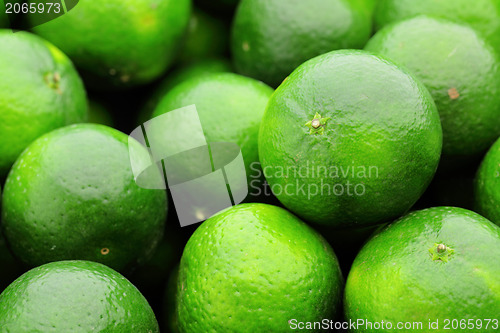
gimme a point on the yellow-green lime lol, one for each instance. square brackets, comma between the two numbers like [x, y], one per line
[438, 264]
[74, 296]
[72, 195]
[350, 139]
[254, 268]
[461, 71]
[40, 90]
[120, 43]
[271, 38]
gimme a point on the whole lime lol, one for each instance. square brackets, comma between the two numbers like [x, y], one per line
[487, 185]
[40, 90]
[120, 43]
[350, 139]
[72, 195]
[252, 268]
[74, 296]
[461, 71]
[482, 15]
[435, 264]
[271, 38]
[230, 108]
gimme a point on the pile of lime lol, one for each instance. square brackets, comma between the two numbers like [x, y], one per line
[242, 166]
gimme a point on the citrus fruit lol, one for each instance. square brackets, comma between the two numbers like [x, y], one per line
[40, 90]
[350, 139]
[98, 114]
[72, 195]
[271, 38]
[182, 74]
[487, 185]
[435, 264]
[206, 37]
[121, 43]
[230, 108]
[461, 71]
[74, 296]
[482, 15]
[252, 268]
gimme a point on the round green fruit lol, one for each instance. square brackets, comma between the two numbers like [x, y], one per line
[487, 185]
[74, 296]
[436, 264]
[350, 139]
[121, 43]
[482, 15]
[461, 71]
[40, 90]
[271, 38]
[253, 268]
[72, 195]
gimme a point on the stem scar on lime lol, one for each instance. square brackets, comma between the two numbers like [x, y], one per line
[104, 251]
[317, 124]
[441, 252]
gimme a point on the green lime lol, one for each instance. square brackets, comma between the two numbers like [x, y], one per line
[461, 71]
[487, 185]
[40, 90]
[206, 37]
[255, 268]
[120, 43]
[482, 15]
[98, 114]
[350, 139]
[230, 108]
[438, 264]
[271, 38]
[178, 76]
[74, 296]
[72, 195]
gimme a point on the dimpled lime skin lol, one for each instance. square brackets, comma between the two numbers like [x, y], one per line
[271, 38]
[72, 194]
[394, 277]
[230, 107]
[31, 102]
[461, 71]
[482, 15]
[74, 296]
[120, 43]
[382, 121]
[487, 185]
[252, 268]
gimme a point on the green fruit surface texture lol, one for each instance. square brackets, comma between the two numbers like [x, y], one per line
[252, 268]
[120, 43]
[460, 69]
[482, 15]
[375, 147]
[40, 90]
[72, 195]
[435, 264]
[271, 38]
[487, 185]
[74, 296]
